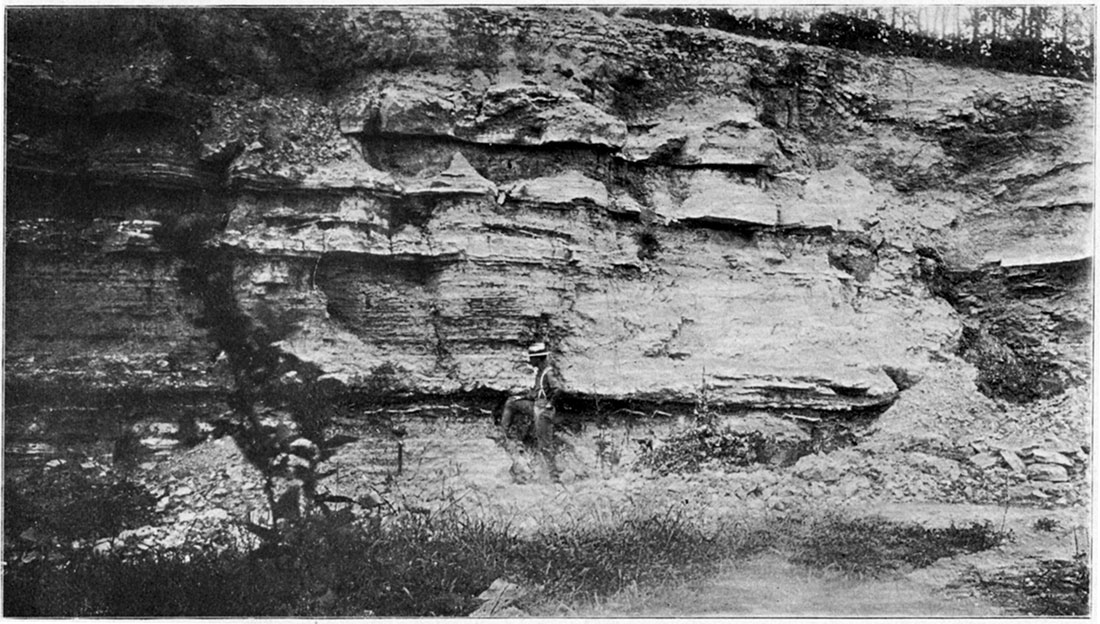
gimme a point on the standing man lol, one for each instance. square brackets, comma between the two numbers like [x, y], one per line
[533, 415]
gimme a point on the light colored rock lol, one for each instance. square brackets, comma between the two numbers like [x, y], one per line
[840, 199]
[1047, 472]
[524, 114]
[940, 467]
[252, 170]
[350, 173]
[736, 295]
[103, 547]
[1054, 443]
[500, 596]
[413, 109]
[723, 201]
[985, 460]
[1019, 446]
[131, 234]
[215, 514]
[818, 468]
[304, 448]
[1051, 457]
[725, 143]
[707, 130]
[569, 188]
[458, 179]
[1013, 460]
[623, 203]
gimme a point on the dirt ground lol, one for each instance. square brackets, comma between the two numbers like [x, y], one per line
[914, 464]
[446, 463]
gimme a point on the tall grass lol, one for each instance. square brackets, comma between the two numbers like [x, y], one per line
[411, 565]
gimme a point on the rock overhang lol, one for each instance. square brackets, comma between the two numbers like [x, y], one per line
[741, 222]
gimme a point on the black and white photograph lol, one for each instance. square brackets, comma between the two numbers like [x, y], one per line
[548, 311]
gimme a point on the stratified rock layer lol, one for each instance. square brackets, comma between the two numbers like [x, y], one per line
[672, 210]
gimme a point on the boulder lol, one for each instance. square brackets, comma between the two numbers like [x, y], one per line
[1051, 457]
[818, 468]
[412, 108]
[985, 460]
[1047, 472]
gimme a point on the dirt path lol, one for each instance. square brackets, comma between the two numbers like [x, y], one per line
[771, 586]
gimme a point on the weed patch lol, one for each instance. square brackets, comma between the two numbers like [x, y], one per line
[690, 450]
[1052, 588]
[872, 547]
[587, 560]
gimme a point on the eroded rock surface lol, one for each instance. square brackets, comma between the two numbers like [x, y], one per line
[406, 197]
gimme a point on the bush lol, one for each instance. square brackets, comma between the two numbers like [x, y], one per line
[689, 450]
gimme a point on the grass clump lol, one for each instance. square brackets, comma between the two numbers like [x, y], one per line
[336, 565]
[872, 547]
[586, 560]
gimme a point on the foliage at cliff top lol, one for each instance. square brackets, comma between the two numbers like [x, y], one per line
[225, 50]
[1052, 41]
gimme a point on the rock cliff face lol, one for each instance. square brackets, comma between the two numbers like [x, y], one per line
[405, 198]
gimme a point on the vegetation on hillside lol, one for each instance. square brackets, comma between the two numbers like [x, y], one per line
[1048, 40]
[409, 564]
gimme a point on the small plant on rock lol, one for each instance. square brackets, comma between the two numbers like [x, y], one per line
[705, 442]
[691, 449]
[1045, 525]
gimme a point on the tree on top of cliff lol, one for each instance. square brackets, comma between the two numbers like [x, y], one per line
[1055, 41]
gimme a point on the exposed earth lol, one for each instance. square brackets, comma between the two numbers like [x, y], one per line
[460, 460]
[779, 280]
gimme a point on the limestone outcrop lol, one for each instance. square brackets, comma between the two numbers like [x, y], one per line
[404, 198]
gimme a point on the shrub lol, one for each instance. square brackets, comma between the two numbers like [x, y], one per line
[689, 450]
